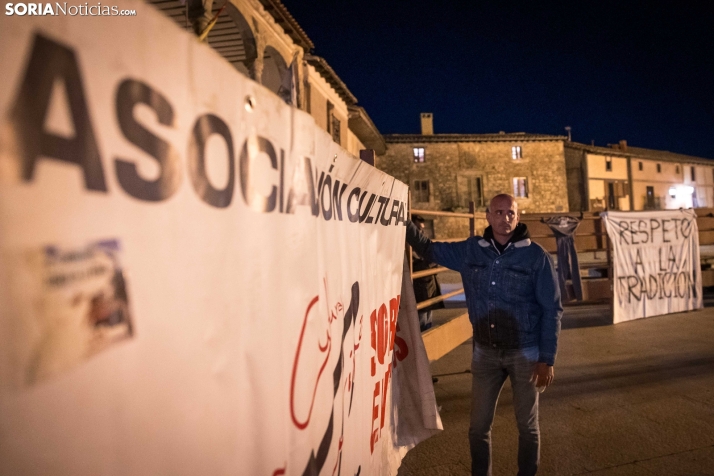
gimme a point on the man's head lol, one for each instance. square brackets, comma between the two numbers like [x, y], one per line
[418, 221]
[502, 215]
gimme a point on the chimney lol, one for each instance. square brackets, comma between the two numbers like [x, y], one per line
[623, 145]
[427, 124]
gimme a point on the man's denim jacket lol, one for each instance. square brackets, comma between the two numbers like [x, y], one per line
[513, 298]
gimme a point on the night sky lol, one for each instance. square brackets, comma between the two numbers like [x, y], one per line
[642, 71]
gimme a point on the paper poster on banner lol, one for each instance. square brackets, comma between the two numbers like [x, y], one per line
[655, 261]
[79, 304]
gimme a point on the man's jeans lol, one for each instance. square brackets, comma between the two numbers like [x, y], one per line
[490, 367]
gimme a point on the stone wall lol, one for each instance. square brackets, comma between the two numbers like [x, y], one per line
[449, 165]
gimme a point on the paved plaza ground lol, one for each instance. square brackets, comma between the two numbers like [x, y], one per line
[632, 399]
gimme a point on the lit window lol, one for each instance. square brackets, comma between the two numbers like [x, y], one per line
[608, 164]
[419, 155]
[694, 175]
[659, 168]
[420, 193]
[516, 152]
[639, 166]
[520, 187]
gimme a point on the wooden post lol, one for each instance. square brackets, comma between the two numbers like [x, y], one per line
[610, 272]
[409, 248]
[367, 155]
[631, 186]
[472, 220]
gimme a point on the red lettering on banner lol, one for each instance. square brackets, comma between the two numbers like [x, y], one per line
[383, 334]
[393, 313]
[374, 434]
[385, 386]
[383, 326]
[401, 349]
[373, 340]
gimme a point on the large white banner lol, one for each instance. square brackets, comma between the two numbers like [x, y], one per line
[194, 278]
[656, 263]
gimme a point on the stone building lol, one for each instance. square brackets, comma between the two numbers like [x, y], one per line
[263, 41]
[447, 171]
[621, 177]
[546, 174]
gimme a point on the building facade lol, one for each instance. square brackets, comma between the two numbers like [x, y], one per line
[620, 177]
[546, 174]
[447, 171]
[263, 41]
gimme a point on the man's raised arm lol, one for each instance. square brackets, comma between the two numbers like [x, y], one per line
[451, 255]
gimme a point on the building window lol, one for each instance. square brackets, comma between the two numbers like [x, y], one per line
[470, 189]
[639, 166]
[520, 187]
[694, 175]
[516, 152]
[333, 123]
[421, 191]
[659, 168]
[615, 191]
[335, 129]
[608, 164]
[676, 169]
[419, 155]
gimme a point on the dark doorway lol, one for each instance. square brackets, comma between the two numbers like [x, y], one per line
[650, 205]
[611, 197]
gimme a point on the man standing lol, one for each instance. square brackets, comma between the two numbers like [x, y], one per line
[514, 306]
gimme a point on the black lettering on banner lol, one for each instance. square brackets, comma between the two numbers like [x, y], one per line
[326, 185]
[384, 218]
[353, 217]
[282, 181]
[665, 230]
[337, 193]
[642, 227]
[638, 261]
[302, 189]
[687, 228]
[676, 227]
[129, 94]
[672, 260]
[365, 211]
[320, 183]
[394, 213]
[246, 167]
[633, 233]
[654, 226]
[623, 228]
[652, 287]
[204, 127]
[382, 201]
[666, 280]
[401, 215]
[632, 283]
[49, 62]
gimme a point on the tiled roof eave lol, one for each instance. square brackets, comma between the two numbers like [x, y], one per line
[654, 155]
[409, 138]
